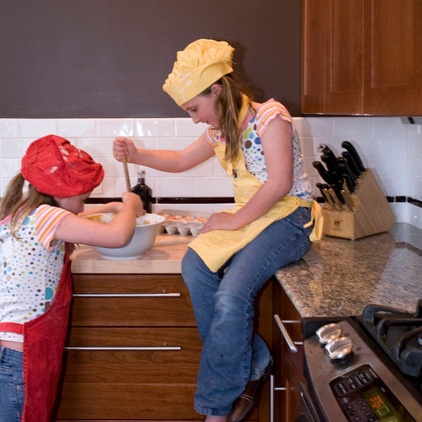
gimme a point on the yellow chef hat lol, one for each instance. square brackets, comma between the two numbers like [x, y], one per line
[198, 66]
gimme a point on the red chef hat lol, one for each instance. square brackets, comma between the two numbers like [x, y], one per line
[55, 167]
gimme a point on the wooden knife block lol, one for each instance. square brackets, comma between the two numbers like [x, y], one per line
[371, 212]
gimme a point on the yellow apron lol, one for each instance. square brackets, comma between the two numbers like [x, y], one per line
[217, 246]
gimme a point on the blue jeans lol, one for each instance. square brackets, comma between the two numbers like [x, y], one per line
[223, 304]
[11, 385]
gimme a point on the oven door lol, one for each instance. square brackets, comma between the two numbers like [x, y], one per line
[308, 408]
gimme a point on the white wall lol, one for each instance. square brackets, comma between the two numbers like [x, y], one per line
[392, 149]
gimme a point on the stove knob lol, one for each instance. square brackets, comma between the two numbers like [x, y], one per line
[339, 348]
[328, 332]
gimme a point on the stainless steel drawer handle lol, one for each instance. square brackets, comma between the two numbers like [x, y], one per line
[145, 348]
[119, 295]
[292, 344]
[272, 398]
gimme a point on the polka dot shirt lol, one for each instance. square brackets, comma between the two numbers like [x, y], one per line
[254, 153]
[31, 267]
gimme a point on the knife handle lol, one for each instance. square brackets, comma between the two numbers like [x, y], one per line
[325, 194]
[348, 177]
[325, 175]
[347, 200]
[351, 163]
[325, 149]
[351, 149]
[331, 164]
[335, 198]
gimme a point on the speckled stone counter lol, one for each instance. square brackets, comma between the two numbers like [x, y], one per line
[338, 277]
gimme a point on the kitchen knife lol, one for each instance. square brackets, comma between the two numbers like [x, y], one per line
[331, 163]
[325, 149]
[347, 174]
[351, 149]
[325, 194]
[325, 175]
[351, 163]
[335, 196]
[346, 197]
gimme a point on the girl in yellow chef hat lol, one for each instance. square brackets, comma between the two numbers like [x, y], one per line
[271, 225]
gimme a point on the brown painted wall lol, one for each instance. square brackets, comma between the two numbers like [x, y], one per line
[109, 58]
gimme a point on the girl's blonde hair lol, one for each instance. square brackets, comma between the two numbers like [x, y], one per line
[18, 205]
[228, 105]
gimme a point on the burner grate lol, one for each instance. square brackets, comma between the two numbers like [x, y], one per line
[398, 334]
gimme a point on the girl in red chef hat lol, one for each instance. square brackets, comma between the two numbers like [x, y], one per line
[38, 226]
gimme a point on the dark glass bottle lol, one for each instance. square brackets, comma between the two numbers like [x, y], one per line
[143, 190]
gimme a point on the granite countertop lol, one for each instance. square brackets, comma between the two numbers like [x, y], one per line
[339, 277]
[336, 278]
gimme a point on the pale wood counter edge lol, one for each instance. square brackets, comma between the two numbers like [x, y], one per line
[164, 258]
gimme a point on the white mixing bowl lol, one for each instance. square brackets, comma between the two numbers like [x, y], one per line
[147, 228]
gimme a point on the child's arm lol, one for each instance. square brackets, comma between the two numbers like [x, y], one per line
[76, 229]
[103, 208]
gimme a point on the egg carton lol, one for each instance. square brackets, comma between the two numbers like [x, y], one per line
[182, 222]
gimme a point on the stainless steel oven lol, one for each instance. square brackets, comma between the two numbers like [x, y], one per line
[309, 412]
[365, 369]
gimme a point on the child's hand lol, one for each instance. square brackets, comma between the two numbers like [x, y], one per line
[134, 200]
[219, 221]
[124, 148]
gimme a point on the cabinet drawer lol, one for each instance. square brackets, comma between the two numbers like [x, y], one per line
[131, 300]
[126, 401]
[132, 355]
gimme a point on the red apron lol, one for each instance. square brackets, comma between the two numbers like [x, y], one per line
[44, 339]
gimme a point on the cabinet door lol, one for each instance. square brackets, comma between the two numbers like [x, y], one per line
[313, 62]
[131, 300]
[332, 56]
[362, 57]
[133, 350]
[288, 356]
[393, 70]
[343, 56]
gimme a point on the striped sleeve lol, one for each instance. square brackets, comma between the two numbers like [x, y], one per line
[47, 219]
[268, 112]
[211, 137]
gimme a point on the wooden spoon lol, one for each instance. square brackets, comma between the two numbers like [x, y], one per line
[126, 171]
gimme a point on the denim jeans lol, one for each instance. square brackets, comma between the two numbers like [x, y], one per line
[223, 304]
[11, 385]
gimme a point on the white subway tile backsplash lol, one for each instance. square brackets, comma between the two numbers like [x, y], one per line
[14, 148]
[213, 187]
[8, 128]
[307, 146]
[388, 126]
[186, 127]
[98, 148]
[9, 168]
[36, 128]
[174, 143]
[346, 127]
[154, 127]
[392, 149]
[175, 186]
[115, 127]
[76, 128]
[315, 126]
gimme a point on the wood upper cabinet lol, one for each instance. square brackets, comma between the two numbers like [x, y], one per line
[362, 57]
